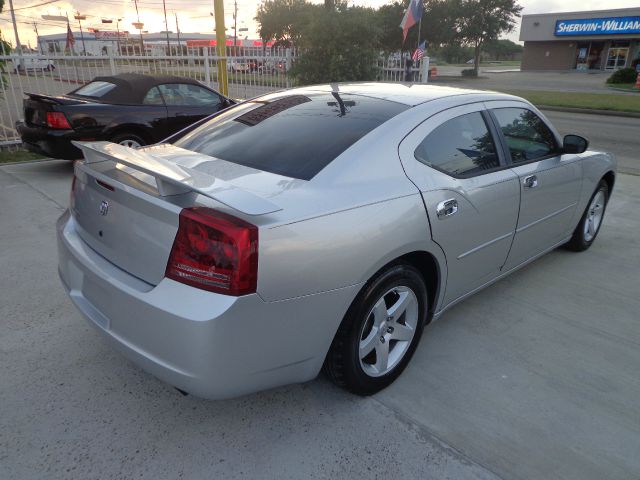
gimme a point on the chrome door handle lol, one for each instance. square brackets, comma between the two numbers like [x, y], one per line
[446, 208]
[530, 182]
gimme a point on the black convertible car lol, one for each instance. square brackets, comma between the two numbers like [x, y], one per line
[129, 109]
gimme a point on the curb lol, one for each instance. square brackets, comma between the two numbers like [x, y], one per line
[590, 111]
[35, 160]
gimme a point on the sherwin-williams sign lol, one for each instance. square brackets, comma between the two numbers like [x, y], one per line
[598, 26]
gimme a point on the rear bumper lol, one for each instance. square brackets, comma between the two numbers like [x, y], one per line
[210, 345]
[50, 142]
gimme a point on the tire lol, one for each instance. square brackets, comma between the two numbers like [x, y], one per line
[399, 286]
[587, 230]
[128, 140]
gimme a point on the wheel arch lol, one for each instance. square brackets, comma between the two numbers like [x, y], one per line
[430, 269]
[610, 178]
[136, 129]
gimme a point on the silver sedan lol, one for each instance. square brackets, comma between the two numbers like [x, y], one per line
[318, 227]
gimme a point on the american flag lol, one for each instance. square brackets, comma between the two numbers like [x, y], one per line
[419, 52]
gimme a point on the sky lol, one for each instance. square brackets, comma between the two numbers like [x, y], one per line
[196, 17]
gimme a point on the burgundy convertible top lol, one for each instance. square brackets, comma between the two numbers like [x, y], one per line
[131, 88]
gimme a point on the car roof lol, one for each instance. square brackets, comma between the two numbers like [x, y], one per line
[131, 88]
[410, 94]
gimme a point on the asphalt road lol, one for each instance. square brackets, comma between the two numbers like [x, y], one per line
[620, 135]
[535, 377]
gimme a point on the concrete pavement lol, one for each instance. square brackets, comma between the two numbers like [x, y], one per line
[533, 378]
[619, 135]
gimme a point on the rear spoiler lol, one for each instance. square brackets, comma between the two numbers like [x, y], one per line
[174, 179]
[58, 100]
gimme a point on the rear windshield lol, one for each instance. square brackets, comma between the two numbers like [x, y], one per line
[294, 135]
[95, 89]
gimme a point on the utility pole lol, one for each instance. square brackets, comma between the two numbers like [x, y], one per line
[139, 25]
[15, 31]
[79, 18]
[166, 26]
[35, 29]
[235, 23]
[178, 32]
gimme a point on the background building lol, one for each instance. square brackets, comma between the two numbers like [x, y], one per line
[98, 43]
[595, 40]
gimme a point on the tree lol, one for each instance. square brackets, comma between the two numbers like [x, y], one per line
[438, 25]
[339, 45]
[480, 21]
[502, 49]
[284, 21]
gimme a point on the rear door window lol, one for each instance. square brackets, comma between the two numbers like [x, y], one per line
[526, 134]
[95, 89]
[460, 147]
[153, 97]
[291, 135]
[188, 95]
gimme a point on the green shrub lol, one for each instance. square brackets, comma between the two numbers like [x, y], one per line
[624, 75]
[468, 72]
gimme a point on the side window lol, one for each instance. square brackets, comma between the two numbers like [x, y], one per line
[527, 136]
[462, 146]
[185, 94]
[153, 97]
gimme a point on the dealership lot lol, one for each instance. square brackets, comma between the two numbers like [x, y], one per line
[535, 377]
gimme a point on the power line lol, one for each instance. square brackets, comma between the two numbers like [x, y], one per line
[36, 5]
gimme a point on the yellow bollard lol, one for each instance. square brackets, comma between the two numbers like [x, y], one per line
[221, 47]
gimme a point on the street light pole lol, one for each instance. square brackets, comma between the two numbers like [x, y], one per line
[235, 23]
[166, 26]
[139, 25]
[178, 32]
[118, 34]
[79, 18]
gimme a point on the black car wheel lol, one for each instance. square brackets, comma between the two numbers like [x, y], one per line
[128, 140]
[380, 331]
[585, 233]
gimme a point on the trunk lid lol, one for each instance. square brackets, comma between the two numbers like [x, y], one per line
[126, 203]
[36, 107]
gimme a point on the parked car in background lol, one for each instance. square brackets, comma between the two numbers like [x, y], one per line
[255, 65]
[129, 109]
[32, 63]
[237, 66]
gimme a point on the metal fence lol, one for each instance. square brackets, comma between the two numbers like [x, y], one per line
[255, 72]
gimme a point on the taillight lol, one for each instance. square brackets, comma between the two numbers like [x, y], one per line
[215, 251]
[57, 120]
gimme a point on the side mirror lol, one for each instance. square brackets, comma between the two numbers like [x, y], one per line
[574, 144]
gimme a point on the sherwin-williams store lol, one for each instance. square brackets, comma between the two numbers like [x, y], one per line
[595, 40]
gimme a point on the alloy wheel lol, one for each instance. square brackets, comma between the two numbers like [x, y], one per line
[594, 216]
[388, 331]
[130, 143]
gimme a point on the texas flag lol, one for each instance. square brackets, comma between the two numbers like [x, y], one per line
[411, 17]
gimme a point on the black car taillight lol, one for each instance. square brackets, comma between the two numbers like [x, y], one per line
[214, 251]
[58, 121]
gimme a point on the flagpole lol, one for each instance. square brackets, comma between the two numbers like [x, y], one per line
[420, 25]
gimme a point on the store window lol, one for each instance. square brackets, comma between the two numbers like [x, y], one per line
[618, 55]
[589, 55]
